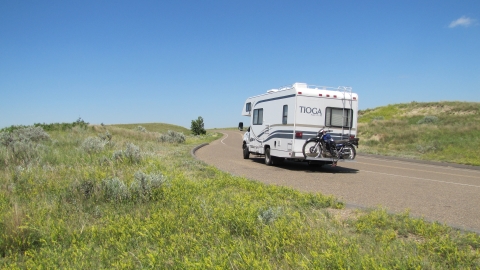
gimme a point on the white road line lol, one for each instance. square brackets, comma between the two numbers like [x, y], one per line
[224, 138]
[418, 170]
[446, 167]
[424, 179]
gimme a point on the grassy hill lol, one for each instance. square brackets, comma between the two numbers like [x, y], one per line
[440, 131]
[107, 197]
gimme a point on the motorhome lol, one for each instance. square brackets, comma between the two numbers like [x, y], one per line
[282, 119]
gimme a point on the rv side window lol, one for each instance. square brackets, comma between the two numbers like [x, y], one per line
[338, 117]
[248, 107]
[257, 116]
[285, 114]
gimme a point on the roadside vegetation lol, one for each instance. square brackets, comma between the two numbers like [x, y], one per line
[96, 197]
[440, 131]
[152, 127]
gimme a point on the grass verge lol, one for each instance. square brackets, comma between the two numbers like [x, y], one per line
[110, 197]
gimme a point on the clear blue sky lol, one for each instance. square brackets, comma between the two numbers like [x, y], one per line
[172, 61]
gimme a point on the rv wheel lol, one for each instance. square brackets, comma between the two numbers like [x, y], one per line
[268, 158]
[246, 153]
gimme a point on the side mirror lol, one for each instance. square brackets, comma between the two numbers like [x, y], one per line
[240, 126]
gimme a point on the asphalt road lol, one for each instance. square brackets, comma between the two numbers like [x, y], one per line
[435, 191]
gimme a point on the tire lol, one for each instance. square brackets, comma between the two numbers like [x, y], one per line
[309, 149]
[268, 157]
[353, 152]
[246, 153]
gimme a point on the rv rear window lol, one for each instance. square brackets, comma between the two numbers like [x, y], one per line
[338, 117]
[248, 107]
[258, 116]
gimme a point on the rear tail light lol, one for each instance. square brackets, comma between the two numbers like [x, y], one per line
[298, 135]
[352, 136]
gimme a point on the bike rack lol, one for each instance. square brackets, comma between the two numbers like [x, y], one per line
[328, 159]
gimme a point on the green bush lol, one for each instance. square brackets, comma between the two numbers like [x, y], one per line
[93, 145]
[145, 185]
[131, 153]
[429, 119]
[172, 137]
[23, 144]
[24, 134]
[197, 126]
[114, 190]
[118, 155]
[270, 215]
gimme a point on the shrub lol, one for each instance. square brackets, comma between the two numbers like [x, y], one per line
[6, 138]
[141, 129]
[197, 126]
[93, 145]
[63, 126]
[105, 137]
[34, 134]
[132, 153]
[86, 188]
[270, 215]
[24, 150]
[144, 186]
[429, 119]
[429, 147]
[172, 137]
[118, 155]
[3, 157]
[115, 190]
[23, 142]
[83, 190]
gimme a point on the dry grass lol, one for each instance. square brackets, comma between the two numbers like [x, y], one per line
[153, 127]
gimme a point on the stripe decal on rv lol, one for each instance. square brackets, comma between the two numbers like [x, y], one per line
[269, 99]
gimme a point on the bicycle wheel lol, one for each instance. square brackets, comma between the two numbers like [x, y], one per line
[312, 149]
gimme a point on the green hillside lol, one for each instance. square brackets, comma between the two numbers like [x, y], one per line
[440, 131]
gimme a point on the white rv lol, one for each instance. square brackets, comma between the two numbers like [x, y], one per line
[281, 120]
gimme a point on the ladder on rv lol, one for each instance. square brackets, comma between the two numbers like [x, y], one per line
[347, 107]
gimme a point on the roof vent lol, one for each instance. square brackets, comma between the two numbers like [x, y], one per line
[300, 85]
[272, 91]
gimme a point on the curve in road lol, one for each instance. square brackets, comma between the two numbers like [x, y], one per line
[436, 192]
